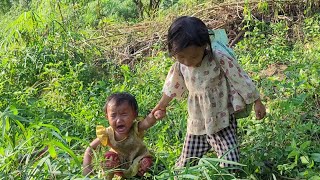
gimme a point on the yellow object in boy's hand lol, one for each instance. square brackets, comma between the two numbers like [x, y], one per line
[159, 114]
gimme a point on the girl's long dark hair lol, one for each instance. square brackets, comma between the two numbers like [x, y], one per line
[187, 31]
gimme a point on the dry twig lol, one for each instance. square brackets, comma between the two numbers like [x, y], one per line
[129, 42]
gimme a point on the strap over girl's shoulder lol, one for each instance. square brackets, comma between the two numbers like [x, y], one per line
[219, 42]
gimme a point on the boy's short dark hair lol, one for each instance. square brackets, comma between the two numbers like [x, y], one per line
[121, 97]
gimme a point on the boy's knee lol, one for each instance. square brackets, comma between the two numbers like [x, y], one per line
[146, 162]
[145, 165]
[112, 160]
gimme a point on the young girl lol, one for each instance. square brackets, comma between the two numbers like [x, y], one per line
[124, 137]
[217, 88]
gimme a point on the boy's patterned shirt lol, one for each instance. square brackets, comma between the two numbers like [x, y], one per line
[130, 150]
[215, 90]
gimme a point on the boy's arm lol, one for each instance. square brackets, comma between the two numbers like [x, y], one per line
[150, 120]
[157, 113]
[87, 159]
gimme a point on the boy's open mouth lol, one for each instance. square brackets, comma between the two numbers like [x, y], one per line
[121, 128]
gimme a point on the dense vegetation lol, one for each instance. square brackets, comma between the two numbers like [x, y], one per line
[56, 74]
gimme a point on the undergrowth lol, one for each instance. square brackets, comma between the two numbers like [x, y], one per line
[52, 92]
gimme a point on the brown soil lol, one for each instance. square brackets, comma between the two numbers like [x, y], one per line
[275, 70]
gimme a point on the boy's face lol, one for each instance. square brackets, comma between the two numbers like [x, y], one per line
[191, 56]
[120, 117]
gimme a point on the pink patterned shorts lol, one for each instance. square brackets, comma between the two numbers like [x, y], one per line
[113, 161]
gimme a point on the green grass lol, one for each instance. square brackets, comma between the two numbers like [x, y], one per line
[52, 93]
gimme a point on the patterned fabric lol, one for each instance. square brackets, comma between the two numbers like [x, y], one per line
[130, 150]
[113, 162]
[145, 165]
[216, 90]
[224, 144]
[102, 135]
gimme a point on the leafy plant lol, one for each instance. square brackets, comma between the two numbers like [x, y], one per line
[53, 85]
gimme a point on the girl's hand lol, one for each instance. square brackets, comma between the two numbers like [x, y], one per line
[159, 114]
[162, 104]
[151, 119]
[158, 108]
[259, 109]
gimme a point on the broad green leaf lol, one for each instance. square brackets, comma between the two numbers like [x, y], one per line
[206, 162]
[188, 176]
[293, 144]
[293, 153]
[4, 121]
[315, 157]
[69, 139]
[315, 178]
[311, 164]
[63, 147]
[274, 177]
[304, 159]
[57, 135]
[50, 127]
[52, 151]
[21, 126]
[14, 110]
[305, 145]
[222, 161]
[206, 174]
[7, 124]
[1, 151]
[17, 117]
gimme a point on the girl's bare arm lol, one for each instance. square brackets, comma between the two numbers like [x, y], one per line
[87, 159]
[163, 103]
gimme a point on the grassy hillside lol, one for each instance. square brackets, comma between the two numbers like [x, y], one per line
[61, 59]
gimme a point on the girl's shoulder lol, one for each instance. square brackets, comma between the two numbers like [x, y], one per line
[222, 56]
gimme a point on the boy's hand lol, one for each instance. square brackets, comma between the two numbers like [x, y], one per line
[159, 114]
[259, 109]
